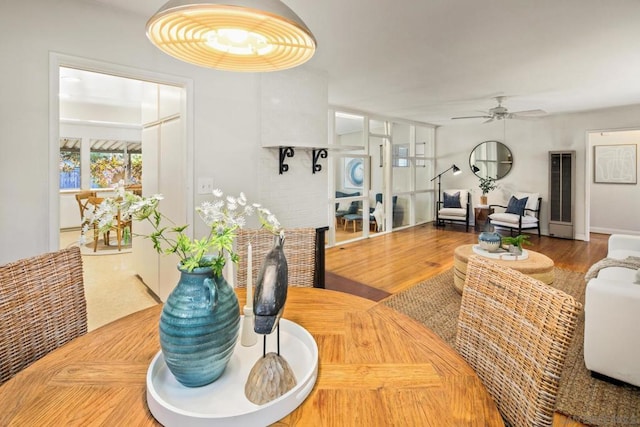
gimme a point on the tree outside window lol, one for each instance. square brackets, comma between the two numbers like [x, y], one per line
[113, 161]
[109, 162]
[69, 169]
[69, 163]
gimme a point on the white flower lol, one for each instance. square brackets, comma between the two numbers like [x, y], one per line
[223, 215]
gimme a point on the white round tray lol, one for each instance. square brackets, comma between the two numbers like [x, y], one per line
[501, 254]
[223, 403]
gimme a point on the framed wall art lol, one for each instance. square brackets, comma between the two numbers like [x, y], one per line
[353, 172]
[615, 164]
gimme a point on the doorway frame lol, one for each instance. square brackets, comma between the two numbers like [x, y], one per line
[57, 60]
[588, 172]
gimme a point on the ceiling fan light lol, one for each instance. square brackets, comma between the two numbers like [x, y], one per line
[234, 35]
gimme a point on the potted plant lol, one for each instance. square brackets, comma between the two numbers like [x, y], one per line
[486, 185]
[202, 305]
[514, 243]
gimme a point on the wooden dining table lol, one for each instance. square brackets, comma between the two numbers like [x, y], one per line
[377, 367]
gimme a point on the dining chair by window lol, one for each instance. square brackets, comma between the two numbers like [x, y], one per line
[134, 188]
[515, 332]
[299, 249]
[119, 225]
[83, 200]
[42, 307]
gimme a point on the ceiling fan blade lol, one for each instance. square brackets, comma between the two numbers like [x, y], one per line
[472, 117]
[489, 121]
[529, 113]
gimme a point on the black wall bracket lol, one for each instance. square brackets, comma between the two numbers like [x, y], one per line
[284, 153]
[318, 154]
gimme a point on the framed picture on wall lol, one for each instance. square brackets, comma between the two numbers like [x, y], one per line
[353, 172]
[615, 164]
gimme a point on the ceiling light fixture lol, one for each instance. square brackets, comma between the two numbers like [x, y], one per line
[233, 35]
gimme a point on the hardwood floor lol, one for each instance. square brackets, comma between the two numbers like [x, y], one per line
[386, 264]
[393, 262]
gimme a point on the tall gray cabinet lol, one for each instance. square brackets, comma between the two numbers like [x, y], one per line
[562, 177]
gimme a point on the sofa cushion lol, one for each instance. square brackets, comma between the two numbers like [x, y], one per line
[452, 200]
[516, 206]
[452, 212]
[513, 218]
[532, 199]
[620, 274]
[622, 253]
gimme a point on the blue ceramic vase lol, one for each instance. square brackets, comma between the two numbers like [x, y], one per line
[489, 241]
[199, 327]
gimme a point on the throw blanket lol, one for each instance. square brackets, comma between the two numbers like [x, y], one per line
[632, 262]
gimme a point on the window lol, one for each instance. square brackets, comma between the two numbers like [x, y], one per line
[69, 163]
[401, 156]
[112, 161]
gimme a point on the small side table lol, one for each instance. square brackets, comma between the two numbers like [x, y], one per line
[538, 266]
[481, 216]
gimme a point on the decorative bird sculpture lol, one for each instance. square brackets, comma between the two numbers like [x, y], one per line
[271, 289]
[271, 376]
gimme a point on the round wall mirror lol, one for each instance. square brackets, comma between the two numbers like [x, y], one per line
[491, 159]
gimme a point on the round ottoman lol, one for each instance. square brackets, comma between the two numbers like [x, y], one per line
[537, 265]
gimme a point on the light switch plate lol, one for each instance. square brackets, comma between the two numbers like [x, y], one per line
[205, 185]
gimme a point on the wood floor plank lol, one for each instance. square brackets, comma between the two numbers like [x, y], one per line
[394, 262]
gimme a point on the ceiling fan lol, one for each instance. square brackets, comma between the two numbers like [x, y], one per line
[499, 112]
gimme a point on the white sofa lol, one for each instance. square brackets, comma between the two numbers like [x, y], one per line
[612, 314]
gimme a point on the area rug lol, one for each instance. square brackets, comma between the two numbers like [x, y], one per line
[435, 303]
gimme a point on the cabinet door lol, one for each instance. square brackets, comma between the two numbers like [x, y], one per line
[171, 181]
[145, 257]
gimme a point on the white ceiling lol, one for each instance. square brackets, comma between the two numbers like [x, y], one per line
[430, 60]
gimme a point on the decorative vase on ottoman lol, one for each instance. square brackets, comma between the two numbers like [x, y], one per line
[199, 327]
[489, 241]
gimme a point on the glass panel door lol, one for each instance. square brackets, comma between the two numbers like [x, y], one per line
[424, 207]
[350, 178]
[402, 173]
[351, 202]
[380, 176]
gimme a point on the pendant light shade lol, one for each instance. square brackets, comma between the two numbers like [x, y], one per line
[234, 35]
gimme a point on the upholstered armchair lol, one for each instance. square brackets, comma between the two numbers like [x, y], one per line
[521, 213]
[455, 207]
[346, 208]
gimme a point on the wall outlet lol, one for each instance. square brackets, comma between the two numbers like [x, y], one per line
[205, 185]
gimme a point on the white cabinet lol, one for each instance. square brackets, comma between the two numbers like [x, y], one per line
[163, 172]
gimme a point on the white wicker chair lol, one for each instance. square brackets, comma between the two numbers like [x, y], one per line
[42, 306]
[299, 249]
[515, 332]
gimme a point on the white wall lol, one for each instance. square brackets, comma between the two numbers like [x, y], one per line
[605, 214]
[530, 142]
[226, 124]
